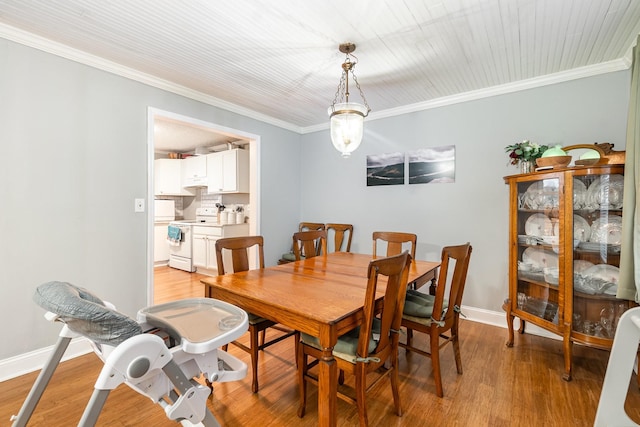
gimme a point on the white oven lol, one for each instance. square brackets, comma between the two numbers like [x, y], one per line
[180, 253]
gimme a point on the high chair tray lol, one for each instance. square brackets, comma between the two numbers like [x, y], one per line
[200, 324]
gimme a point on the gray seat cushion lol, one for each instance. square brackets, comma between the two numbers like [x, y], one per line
[346, 346]
[254, 320]
[420, 305]
[290, 256]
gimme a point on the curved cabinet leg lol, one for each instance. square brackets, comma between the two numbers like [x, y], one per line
[507, 308]
[521, 328]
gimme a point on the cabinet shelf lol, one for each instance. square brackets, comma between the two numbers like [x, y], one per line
[536, 279]
[601, 343]
[597, 297]
[563, 203]
[537, 319]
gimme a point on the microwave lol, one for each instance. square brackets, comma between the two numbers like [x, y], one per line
[164, 210]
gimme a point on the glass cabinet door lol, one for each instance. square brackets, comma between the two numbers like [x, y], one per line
[597, 231]
[539, 267]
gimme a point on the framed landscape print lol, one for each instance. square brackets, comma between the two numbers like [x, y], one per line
[432, 165]
[385, 169]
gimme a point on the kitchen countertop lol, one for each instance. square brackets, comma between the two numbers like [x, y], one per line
[207, 224]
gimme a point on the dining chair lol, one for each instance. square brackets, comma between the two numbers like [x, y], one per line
[308, 244]
[303, 226]
[395, 241]
[370, 347]
[240, 248]
[342, 235]
[309, 226]
[436, 315]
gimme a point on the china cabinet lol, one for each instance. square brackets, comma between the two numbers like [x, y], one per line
[565, 229]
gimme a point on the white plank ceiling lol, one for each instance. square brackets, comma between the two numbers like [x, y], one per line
[279, 59]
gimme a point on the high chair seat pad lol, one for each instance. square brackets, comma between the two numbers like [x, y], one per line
[85, 313]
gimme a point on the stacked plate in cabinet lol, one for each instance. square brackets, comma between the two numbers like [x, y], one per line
[541, 195]
[605, 192]
[597, 279]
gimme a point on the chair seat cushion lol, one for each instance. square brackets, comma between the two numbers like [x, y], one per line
[346, 346]
[420, 305]
[290, 256]
[254, 320]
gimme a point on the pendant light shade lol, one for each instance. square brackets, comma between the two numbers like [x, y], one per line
[347, 118]
[347, 126]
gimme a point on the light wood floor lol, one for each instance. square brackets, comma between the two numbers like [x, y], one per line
[519, 386]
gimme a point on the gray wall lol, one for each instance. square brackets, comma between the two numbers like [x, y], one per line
[474, 208]
[73, 159]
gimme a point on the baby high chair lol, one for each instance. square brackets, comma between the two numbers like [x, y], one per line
[160, 355]
[622, 362]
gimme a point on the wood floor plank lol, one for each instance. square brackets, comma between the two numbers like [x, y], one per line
[500, 386]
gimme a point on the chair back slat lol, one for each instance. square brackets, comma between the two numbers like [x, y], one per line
[396, 269]
[239, 247]
[342, 233]
[457, 257]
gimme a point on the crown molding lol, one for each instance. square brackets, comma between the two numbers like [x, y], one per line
[64, 51]
[49, 46]
[549, 79]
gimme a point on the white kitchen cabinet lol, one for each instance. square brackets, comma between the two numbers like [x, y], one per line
[204, 244]
[167, 179]
[160, 244]
[204, 250]
[194, 171]
[215, 180]
[228, 171]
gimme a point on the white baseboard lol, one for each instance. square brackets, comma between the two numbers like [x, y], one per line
[497, 318]
[35, 360]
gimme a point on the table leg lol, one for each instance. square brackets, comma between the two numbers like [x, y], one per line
[327, 389]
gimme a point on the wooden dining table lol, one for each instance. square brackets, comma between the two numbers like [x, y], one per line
[321, 296]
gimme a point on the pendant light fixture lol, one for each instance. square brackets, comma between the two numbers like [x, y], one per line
[347, 118]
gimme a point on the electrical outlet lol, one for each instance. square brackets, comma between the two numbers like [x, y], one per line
[139, 205]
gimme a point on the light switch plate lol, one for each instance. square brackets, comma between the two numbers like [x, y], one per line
[139, 205]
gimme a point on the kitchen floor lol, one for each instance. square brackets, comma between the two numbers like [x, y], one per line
[171, 284]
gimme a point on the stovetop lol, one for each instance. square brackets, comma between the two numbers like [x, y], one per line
[206, 215]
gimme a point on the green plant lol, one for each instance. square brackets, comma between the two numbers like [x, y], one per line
[525, 151]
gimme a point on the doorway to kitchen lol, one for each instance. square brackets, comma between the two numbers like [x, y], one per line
[169, 134]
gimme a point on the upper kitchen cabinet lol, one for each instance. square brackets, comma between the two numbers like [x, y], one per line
[168, 178]
[194, 171]
[228, 171]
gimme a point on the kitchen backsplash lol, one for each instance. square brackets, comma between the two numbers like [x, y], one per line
[186, 206]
